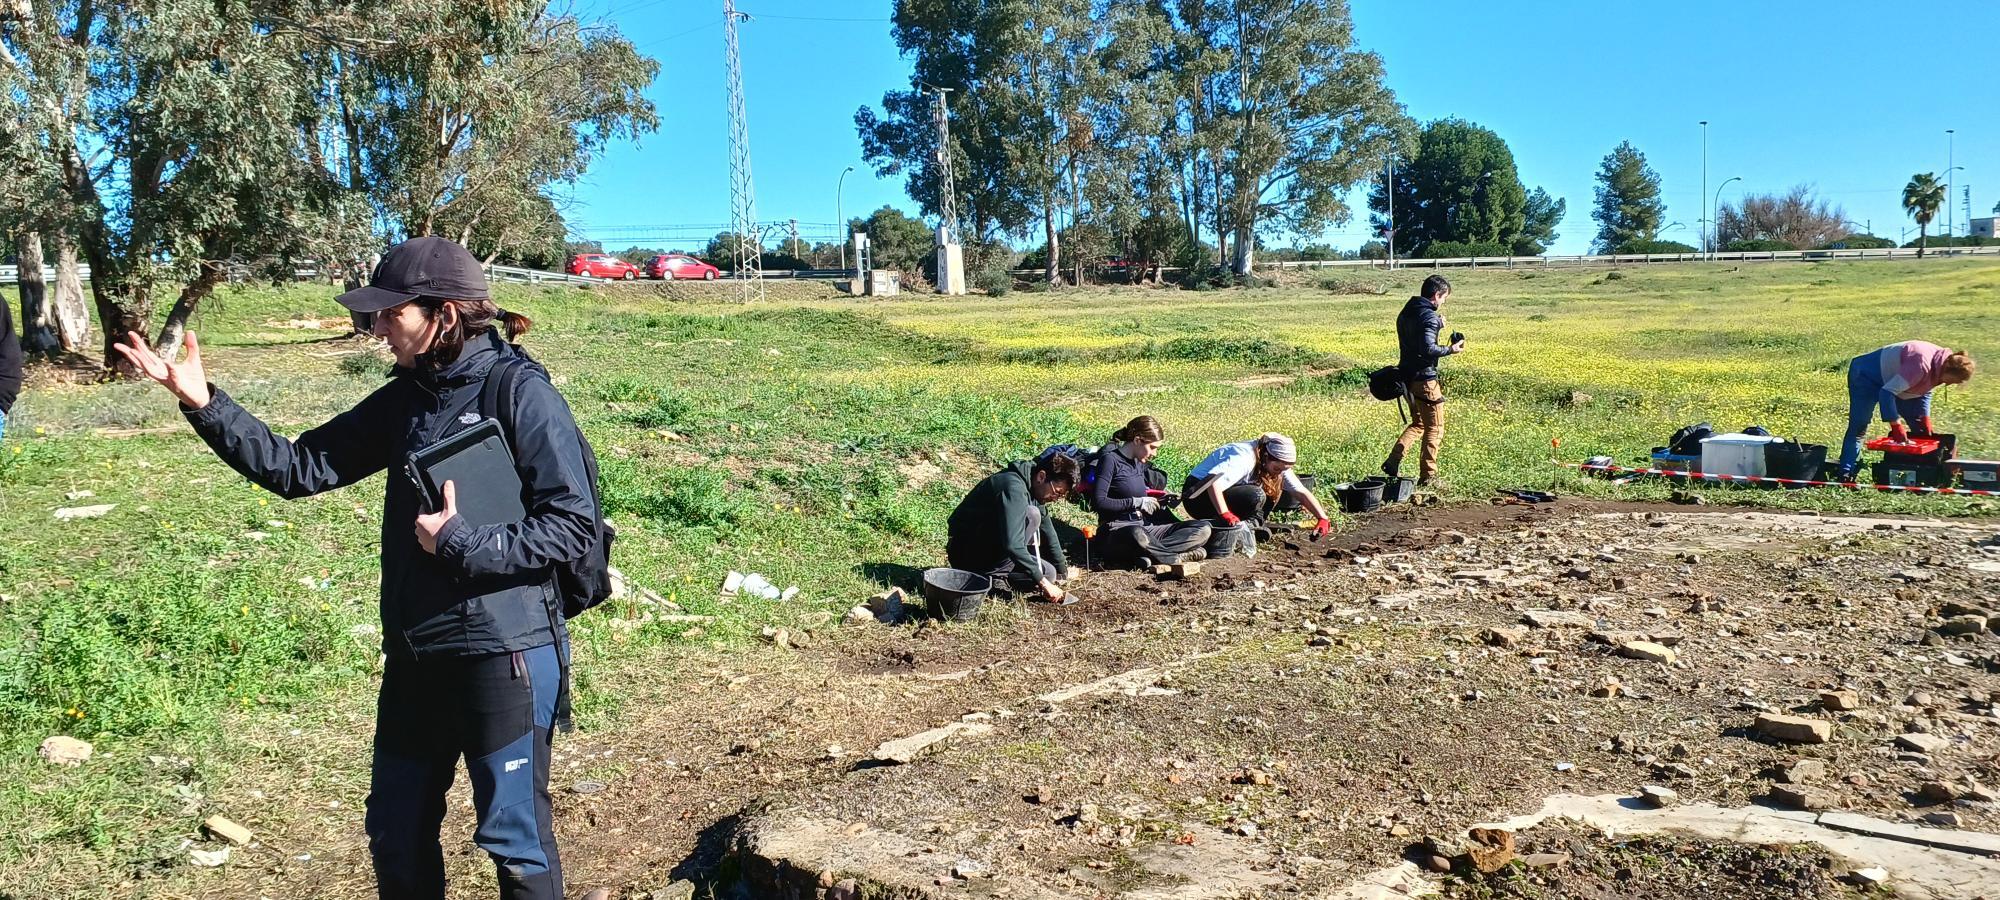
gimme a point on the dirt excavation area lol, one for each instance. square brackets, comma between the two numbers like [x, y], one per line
[1571, 700]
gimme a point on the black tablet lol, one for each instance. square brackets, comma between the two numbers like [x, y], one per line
[481, 469]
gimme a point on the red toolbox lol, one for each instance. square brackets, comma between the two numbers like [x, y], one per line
[1918, 462]
[1915, 447]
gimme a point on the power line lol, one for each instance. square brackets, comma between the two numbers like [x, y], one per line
[627, 10]
[815, 18]
[678, 34]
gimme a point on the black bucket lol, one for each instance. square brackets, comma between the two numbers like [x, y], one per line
[1289, 501]
[1360, 496]
[1800, 462]
[1394, 490]
[955, 594]
[1226, 540]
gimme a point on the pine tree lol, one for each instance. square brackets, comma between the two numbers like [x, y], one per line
[1629, 207]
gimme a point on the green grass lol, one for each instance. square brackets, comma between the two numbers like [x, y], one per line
[783, 440]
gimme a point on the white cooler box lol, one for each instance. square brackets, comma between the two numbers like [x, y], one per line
[1734, 454]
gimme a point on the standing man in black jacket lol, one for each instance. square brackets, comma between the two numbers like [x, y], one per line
[10, 365]
[1418, 329]
[471, 623]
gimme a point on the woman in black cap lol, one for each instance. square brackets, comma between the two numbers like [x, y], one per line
[471, 622]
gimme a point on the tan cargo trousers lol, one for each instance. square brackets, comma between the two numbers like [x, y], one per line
[1427, 423]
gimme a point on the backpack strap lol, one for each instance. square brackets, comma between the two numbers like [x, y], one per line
[496, 393]
[496, 401]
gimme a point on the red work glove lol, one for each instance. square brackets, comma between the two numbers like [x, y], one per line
[1924, 428]
[1896, 433]
[1229, 518]
[1322, 527]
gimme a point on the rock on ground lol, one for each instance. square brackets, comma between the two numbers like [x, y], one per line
[63, 750]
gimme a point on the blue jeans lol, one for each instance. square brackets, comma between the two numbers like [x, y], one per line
[1865, 396]
[3, 425]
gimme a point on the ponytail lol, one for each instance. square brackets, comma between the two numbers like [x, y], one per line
[1141, 428]
[1272, 483]
[515, 325]
[474, 318]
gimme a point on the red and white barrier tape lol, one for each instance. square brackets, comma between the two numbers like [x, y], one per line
[1789, 482]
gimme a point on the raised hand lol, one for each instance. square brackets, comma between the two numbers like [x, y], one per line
[186, 379]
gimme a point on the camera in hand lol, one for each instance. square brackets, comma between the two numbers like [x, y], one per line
[1457, 336]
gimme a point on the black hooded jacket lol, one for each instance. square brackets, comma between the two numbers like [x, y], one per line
[1417, 332]
[10, 361]
[489, 588]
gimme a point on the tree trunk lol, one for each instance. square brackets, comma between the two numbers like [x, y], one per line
[1922, 240]
[121, 309]
[1191, 210]
[364, 323]
[38, 334]
[1246, 244]
[184, 306]
[66, 306]
[1222, 230]
[1075, 210]
[1055, 241]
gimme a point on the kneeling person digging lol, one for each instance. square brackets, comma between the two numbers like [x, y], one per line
[1001, 528]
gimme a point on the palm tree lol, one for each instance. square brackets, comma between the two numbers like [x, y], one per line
[1921, 199]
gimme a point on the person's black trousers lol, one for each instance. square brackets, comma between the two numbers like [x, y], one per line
[498, 712]
[1168, 542]
[1246, 500]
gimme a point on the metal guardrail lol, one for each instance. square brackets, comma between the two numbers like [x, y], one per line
[11, 274]
[537, 276]
[1620, 259]
[1617, 259]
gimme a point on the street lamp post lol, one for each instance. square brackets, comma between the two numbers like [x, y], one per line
[1702, 222]
[841, 216]
[1948, 238]
[1389, 195]
[1715, 225]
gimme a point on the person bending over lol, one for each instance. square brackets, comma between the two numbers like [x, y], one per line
[1897, 380]
[1002, 528]
[1242, 482]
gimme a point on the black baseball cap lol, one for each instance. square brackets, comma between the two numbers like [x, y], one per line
[420, 267]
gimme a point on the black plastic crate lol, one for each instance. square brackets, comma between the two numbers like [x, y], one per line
[1978, 474]
[1904, 474]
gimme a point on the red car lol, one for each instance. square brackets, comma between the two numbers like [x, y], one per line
[679, 266]
[600, 265]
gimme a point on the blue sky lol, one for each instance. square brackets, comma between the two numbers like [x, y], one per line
[1851, 97]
